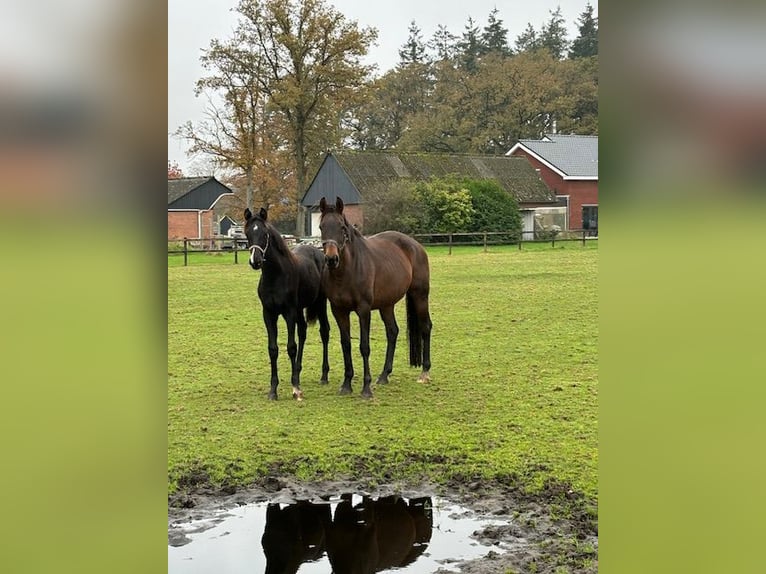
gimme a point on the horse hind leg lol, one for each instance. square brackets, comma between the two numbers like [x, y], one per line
[419, 333]
[424, 318]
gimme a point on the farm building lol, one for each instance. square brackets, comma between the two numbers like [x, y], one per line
[353, 175]
[190, 206]
[568, 164]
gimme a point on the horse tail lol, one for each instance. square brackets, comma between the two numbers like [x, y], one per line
[413, 332]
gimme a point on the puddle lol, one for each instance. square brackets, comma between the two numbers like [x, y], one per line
[350, 534]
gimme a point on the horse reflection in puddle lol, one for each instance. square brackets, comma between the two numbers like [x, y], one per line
[368, 537]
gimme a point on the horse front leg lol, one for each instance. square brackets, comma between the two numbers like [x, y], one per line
[364, 349]
[344, 328]
[270, 320]
[392, 332]
[324, 333]
[292, 351]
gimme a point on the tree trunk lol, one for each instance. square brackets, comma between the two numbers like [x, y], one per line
[249, 188]
[300, 172]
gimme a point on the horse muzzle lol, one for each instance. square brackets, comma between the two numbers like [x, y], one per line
[256, 258]
[332, 261]
[331, 254]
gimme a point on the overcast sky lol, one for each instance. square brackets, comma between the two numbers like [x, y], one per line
[192, 24]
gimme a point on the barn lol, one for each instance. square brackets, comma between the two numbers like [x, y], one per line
[352, 175]
[569, 166]
[190, 206]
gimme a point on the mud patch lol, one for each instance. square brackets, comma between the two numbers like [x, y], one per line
[552, 531]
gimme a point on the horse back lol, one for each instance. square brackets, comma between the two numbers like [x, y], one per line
[411, 249]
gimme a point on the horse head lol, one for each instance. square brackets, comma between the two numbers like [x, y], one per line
[258, 236]
[334, 228]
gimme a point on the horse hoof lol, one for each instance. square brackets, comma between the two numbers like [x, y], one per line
[367, 395]
[424, 378]
[298, 394]
[345, 391]
[272, 396]
[323, 381]
[382, 380]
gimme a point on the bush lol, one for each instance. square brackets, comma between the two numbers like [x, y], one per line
[442, 205]
[494, 209]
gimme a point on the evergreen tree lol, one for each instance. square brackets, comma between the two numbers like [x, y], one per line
[586, 44]
[414, 50]
[495, 36]
[527, 41]
[553, 36]
[443, 44]
[470, 46]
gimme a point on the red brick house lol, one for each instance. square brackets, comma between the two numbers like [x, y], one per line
[568, 164]
[190, 206]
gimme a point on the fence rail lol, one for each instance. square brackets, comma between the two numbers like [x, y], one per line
[485, 239]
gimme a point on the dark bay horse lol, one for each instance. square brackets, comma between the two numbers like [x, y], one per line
[291, 281]
[370, 273]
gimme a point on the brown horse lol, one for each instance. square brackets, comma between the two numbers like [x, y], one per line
[364, 274]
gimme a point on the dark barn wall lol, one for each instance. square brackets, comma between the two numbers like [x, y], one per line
[225, 225]
[330, 182]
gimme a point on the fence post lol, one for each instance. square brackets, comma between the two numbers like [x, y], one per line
[521, 238]
[553, 239]
[236, 247]
[186, 251]
[485, 242]
[450, 244]
[583, 238]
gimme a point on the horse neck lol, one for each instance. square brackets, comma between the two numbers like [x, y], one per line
[278, 256]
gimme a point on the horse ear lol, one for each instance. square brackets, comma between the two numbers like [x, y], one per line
[248, 214]
[338, 205]
[323, 205]
[263, 214]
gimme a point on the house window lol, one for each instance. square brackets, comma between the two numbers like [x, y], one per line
[563, 201]
[590, 219]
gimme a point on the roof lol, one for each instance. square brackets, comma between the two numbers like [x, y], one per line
[204, 199]
[572, 156]
[374, 172]
[181, 186]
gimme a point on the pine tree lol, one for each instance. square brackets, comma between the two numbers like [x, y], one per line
[527, 41]
[414, 50]
[443, 44]
[554, 35]
[495, 36]
[470, 46]
[586, 44]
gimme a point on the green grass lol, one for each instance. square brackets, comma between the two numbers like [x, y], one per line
[513, 391]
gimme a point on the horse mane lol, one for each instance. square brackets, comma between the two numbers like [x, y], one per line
[277, 241]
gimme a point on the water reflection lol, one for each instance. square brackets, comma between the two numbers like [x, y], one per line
[362, 538]
[350, 533]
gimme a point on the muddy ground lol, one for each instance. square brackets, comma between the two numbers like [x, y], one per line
[554, 531]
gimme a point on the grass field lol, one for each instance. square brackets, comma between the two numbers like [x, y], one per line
[513, 391]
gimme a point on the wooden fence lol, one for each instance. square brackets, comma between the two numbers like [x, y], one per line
[485, 239]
